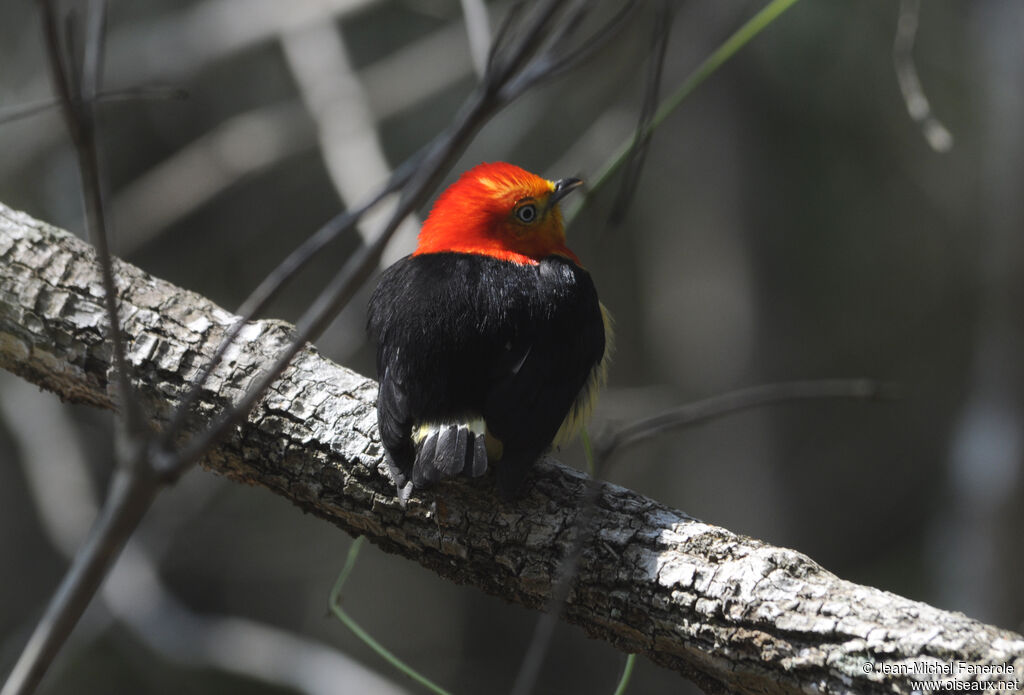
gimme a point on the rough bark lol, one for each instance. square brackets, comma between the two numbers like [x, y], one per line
[732, 613]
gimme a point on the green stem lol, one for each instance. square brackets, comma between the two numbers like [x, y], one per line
[754, 26]
[627, 673]
[358, 631]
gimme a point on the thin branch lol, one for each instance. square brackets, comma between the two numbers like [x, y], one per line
[740, 38]
[642, 140]
[81, 123]
[547, 62]
[935, 133]
[517, 43]
[735, 401]
[334, 603]
[595, 42]
[502, 36]
[128, 498]
[9, 114]
[132, 489]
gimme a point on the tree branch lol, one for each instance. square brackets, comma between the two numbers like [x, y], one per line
[732, 613]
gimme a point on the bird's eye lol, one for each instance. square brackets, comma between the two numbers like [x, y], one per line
[527, 213]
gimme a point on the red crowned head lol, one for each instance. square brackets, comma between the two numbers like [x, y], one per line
[499, 210]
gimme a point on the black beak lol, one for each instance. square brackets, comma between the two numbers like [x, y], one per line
[563, 187]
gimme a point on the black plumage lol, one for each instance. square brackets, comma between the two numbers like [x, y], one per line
[463, 337]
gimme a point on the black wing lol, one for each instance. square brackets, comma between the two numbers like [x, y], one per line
[394, 417]
[436, 346]
[561, 346]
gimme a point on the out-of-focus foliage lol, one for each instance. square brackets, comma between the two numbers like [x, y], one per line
[791, 222]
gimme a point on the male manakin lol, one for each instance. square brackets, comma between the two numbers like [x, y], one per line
[491, 341]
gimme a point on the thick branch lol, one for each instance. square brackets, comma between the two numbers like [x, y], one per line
[732, 613]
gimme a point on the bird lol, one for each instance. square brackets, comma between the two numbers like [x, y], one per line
[492, 344]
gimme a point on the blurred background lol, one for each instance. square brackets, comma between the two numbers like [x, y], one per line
[792, 221]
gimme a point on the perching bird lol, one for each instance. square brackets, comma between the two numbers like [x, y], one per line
[491, 341]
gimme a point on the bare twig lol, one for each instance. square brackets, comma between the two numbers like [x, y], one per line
[133, 488]
[79, 116]
[935, 133]
[735, 401]
[547, 54]
[505, 30]
[641, 143]
[16, 112]
[594, 43]
[128, 498]
[751, 28]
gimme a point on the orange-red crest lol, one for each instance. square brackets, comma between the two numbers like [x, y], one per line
[499, 210]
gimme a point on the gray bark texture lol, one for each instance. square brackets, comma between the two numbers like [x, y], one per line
[731, 613]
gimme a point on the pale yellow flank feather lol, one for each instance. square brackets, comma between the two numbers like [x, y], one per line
[583, 407]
